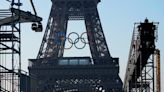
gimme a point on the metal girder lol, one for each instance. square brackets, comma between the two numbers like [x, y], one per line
[140, 67]
[19, 16]
[85, 78]
[55, 73]
[61, 12]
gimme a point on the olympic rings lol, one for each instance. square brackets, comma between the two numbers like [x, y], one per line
[70, 41]
[83, 38]
[76, 40]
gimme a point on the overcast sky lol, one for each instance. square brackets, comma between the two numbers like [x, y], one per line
[117, 18]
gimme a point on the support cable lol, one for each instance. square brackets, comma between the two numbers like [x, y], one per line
[32, 4]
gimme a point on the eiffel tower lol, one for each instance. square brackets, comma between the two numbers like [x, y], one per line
[54, 73]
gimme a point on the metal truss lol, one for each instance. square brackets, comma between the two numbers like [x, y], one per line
[9, 53]
[140, 68]
[12, 79]
[61, 12]
[63, 75]
[55, 73]
[146, 82]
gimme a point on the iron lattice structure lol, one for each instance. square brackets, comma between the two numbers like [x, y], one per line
[55, 73]
[9, 51]
[140, 73]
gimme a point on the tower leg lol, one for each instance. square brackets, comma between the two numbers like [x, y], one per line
[97, 43]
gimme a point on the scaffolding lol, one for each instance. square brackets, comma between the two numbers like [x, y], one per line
[12, 79]
[10, 51]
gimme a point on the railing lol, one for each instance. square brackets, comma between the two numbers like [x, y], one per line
[5, 13]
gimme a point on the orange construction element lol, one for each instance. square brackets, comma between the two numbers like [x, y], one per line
[158, 73]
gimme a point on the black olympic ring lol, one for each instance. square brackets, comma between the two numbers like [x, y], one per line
[83, 39]
[76, 40]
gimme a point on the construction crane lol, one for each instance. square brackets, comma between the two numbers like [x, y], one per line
[37, 27]
[140, 73]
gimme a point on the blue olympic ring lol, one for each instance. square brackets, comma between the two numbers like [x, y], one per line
[60, 35]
